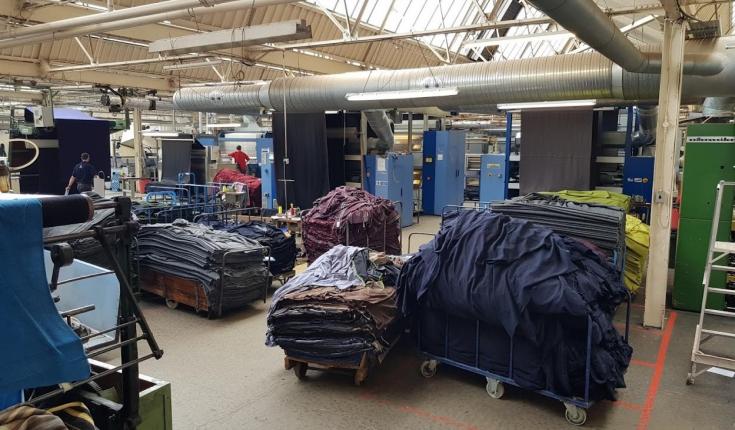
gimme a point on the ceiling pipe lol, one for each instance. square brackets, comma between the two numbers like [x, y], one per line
[135, 22]
[98, 18]
[480, 85]
[591, 25]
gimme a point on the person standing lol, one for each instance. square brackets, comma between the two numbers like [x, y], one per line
[82, 175]
[241, 159]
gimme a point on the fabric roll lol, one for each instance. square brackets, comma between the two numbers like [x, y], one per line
[39, 348]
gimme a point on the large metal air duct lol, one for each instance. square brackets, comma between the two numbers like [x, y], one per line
[561, 77]
[718, 106]
[646, 133]
[381, 125]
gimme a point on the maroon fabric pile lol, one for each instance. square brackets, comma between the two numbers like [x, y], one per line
[349, 216]
[228, 176]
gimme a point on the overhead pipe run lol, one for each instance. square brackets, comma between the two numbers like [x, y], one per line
[480, 85]
[381, 125]
[590, 24]
[103, 27]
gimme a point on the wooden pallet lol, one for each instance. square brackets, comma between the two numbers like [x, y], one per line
[176, 290]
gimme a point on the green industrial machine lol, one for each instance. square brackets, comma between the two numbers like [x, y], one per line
[709, 157]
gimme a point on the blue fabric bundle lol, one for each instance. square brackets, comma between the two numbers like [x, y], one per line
[39, 349]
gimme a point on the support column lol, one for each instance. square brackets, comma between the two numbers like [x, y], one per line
[664, 174]
[138, 143]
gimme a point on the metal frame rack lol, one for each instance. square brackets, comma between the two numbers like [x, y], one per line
[130, 316]
[576, 407]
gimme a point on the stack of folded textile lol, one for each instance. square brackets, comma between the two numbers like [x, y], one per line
[597, 197]
[603, 226]
[229, 267]
[350, 216]
[636, 256]
[282, 245]
[488, 278]
[229, 176]
[342, 306]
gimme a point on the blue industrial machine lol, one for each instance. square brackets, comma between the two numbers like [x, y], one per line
[442, 177]
[638, 177]
[391, 177]
[266, 161]
[492, 177]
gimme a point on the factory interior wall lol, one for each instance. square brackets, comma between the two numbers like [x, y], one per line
[557, 150]
[307, 172]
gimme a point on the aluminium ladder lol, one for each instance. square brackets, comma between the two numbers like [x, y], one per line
[717, 251]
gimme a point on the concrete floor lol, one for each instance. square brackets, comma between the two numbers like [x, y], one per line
[224, 377]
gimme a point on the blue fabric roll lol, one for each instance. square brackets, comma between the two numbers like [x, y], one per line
[39, 349]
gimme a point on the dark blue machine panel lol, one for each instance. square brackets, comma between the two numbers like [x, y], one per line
[492, 177]
[442, 178]
[638, 177]
[391, 177]
[264, 147]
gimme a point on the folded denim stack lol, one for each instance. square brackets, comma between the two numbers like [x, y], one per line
[488, 278]
[342, 306]
[229, 267]
[349, 216]
[282, 245]
[603, 226]
[229, 176]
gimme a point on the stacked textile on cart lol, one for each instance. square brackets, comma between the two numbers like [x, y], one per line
[350, 216]
[488, 278]
[604, 226]
[636, 255]
[229, 267]
[229, 176]
[595, 197]
[282, 245]
[342, 306]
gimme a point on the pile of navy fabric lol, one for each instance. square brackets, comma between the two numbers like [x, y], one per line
[342, 306]
[282, 246]
[604, 226]
[200, 253]
[349, 216]
[487, 278]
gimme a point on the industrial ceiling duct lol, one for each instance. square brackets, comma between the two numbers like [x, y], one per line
[381, 125]
[646, 133]
[561, 77]
[719, 106]
[590, 24]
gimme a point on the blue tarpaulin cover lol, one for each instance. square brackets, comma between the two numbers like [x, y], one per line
[39, 349]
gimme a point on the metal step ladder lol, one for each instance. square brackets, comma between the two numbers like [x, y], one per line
[716, 253]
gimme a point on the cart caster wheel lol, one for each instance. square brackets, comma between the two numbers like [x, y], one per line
[300, 370]
[690, 379]
[495, 388]
[428, 368]
[172, 304]
[575, 415]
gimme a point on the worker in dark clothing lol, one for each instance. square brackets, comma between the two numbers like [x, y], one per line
[82, 175]
[241, 159]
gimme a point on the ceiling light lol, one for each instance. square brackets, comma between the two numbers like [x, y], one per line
[546, 105]
[160, 134]
[197, 65]
[402, 94]
[233, 38]
[225, 125]
[534, 37]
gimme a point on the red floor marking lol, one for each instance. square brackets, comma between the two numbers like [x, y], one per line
[643, 363]
[637, 305]
[420, 413]
[627, 405]
[658, 372]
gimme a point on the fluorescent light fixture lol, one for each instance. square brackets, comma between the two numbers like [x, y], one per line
[233, 38]
[402, 94]
[194, 65]
[546, 105]
[160, 134]
[225, 125]
[533, 37]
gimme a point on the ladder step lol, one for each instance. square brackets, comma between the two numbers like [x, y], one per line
[728, 247]
[721, 291]
[720, 313]
[723, 268]
[713, 360]
[719, 333]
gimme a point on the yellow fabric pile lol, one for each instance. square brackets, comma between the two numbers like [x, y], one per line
[598, 197]
[636, 253]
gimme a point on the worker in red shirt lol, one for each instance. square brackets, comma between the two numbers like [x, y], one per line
[241, 159]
